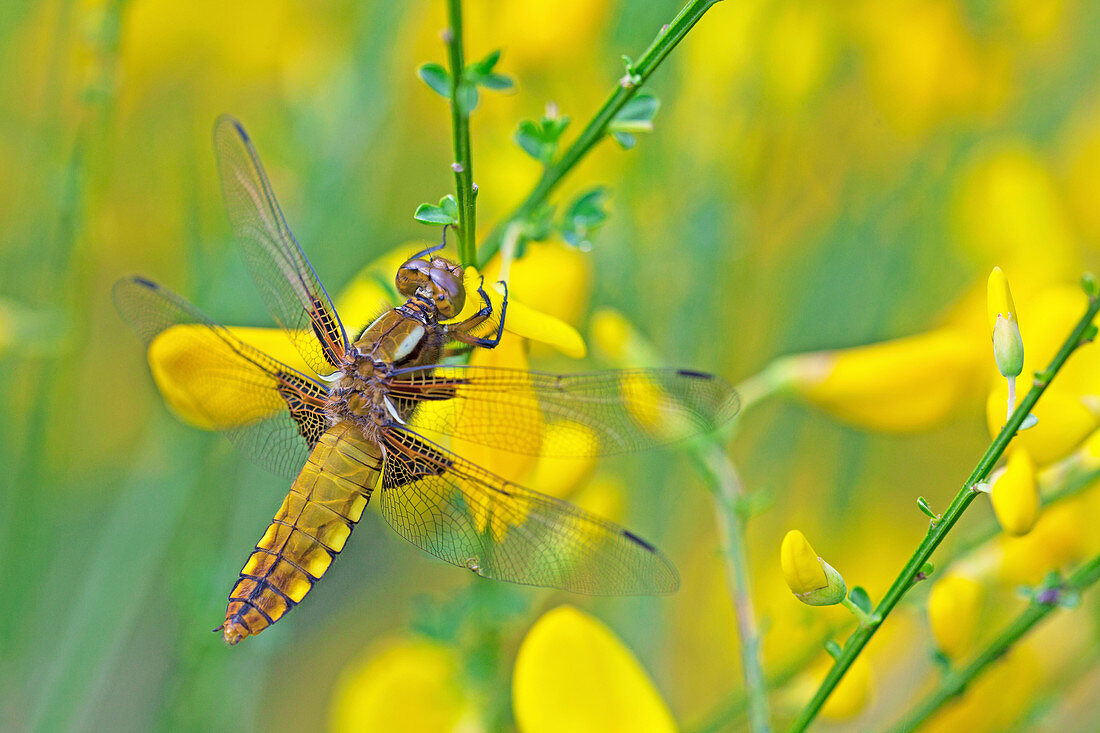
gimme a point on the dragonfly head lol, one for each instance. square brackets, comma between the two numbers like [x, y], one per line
[438, 280]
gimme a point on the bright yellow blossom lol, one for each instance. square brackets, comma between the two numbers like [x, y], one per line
[812, 580]
[573, 674]
[1015, 494]
[954, 610]
[404, 685]
[894, 386]
[1065, 420]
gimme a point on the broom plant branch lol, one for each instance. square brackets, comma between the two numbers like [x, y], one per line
[637, 73]
[939, 529]
[1038, 609]
[465, 190]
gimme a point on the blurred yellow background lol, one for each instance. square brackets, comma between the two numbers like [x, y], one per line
[822, 175]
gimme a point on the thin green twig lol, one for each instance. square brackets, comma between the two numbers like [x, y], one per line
[637, 74]
[938, 530]
[465, 190]
[955, 682]
[728, 497]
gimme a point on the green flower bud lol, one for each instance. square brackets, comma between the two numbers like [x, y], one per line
[1008, 347]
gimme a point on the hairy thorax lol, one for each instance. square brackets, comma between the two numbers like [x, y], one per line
[398, 338]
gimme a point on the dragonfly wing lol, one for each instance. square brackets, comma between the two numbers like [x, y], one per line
[289, 286]
[272, 412]
[564, 415]
[469, 517]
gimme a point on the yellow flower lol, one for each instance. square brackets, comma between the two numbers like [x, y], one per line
[954, 609]
[812, 580]
[1008, 346]
[894, 386]
[404, 685]
[573, 674]
[619, 342]
[1015, 494]
[1060, 537]
[552, 277]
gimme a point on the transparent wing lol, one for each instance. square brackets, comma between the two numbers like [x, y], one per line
[597, 413]
[469, 517]
[271, 412]
[289, 286]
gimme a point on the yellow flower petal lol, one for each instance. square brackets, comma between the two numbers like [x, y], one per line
[551, 277]
[1015, 494]
[619, 342]
[1060, 537]
[410, 685]
[524, 321]
[999, 298]
[573, 674]
[801, 566]
[901, 385]
[183, 358]
[954, 609]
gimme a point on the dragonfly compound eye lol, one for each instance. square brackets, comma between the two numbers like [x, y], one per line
[448, 292]
[412, 276]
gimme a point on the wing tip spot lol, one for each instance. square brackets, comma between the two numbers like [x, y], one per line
[144, 282]
[694, 374]
[638, 540]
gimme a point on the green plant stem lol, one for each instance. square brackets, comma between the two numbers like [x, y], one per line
[955, 682]
[667, 39]
[865, 619]
[938, 530]
[728, 496]
[465, 191]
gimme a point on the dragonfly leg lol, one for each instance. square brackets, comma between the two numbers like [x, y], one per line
[462, 331]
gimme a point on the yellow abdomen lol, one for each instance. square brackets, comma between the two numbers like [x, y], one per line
[310, 529]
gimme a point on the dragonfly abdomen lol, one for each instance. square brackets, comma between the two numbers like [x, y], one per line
[309, 530]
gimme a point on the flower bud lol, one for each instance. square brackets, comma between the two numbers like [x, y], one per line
[1008, 345]
[1015, 494]
[954, 608]
[811, 579]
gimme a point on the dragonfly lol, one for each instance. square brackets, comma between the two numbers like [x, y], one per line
[383, 411]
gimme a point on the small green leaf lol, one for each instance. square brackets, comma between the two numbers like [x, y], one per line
[484, 67]
[583, 218]
[529, 137]
[927, 569]
[467, 97]
[497, 82]
[449, 206]
[445, 213]
[642, 107]
[859, 597]
[833, 648]
[625, 139]
[924, 507]
[1090, 285]
[436, 77]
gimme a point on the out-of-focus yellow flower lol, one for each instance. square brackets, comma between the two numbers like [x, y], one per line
[1015, 494]
[1008, 346]
[954, 609]
[180, 367]
[573, 674]
[849, 698]
[894, 386]
[604, 495]
[812, 580]
[1064, 421]
[852, 693]
[995, 700]
[405, 685]
[1060, 537]
[536, 32]
[1006, 202]
[924, 65]
[619, 342]
[800, 50]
